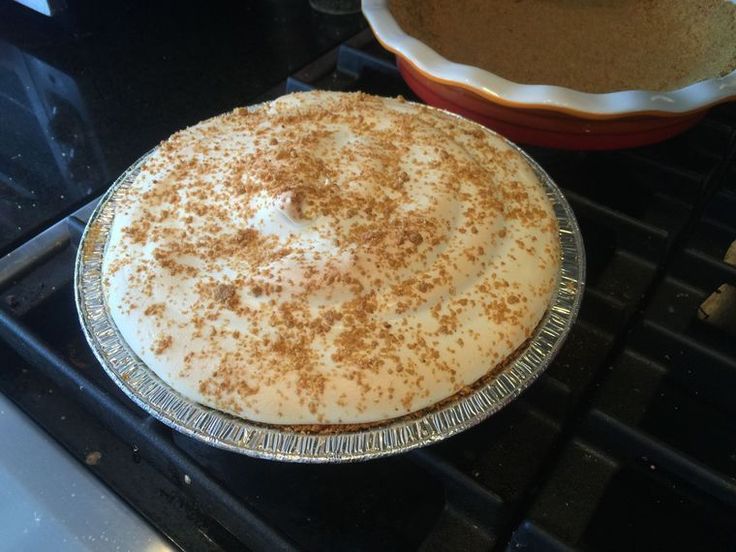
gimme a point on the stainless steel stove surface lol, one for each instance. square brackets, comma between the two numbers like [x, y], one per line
[49, 500]
[627, 442]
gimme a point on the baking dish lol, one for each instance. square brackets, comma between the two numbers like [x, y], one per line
[545, 115]
[298, 444]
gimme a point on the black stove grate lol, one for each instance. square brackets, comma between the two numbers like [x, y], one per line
[628, 440]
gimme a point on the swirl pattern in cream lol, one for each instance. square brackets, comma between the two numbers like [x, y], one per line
[330, 258]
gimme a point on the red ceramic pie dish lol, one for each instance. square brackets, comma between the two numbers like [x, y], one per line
[545, 115]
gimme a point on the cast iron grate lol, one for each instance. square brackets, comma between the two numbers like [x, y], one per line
[627, 440]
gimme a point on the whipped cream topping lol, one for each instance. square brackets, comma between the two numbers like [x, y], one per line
[330, 258]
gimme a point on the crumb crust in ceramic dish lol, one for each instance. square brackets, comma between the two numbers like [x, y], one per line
[598, 47]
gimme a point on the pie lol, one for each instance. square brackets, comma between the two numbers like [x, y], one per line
[330, 258]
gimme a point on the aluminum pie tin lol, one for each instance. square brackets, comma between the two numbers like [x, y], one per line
[282, 443]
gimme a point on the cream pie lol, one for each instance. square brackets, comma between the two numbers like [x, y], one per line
[330, 258]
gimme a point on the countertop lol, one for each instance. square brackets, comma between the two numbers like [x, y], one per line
[86, 92]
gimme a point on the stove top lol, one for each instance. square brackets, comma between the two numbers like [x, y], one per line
[628, 441]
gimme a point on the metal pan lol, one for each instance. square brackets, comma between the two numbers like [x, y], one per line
[228, 432]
